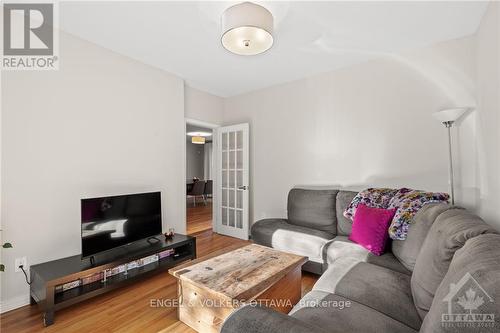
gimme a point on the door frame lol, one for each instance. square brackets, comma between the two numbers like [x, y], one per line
[213, 127]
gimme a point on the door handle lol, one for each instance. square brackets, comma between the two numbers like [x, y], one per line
[244, 188]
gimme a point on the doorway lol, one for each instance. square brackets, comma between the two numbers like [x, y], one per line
[200, 172]
[217, 178]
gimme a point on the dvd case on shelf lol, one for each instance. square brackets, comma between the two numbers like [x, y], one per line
[166, 253]
[103, 275]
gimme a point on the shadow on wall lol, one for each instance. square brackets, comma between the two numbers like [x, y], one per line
[403, 180]
[467, 141]
[475, 174]
[460, 88]
[443, 70]
[413, 181]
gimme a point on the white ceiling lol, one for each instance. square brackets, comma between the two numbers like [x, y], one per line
[310, 37]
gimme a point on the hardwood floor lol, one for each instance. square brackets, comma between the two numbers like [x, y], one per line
[199, 217]
[130, 309]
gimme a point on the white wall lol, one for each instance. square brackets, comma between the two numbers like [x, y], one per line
[200, 105]
[102, 124]
[488, 125]
[366, 125]
[195, 160]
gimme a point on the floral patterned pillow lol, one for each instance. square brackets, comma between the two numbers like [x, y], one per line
[408, 202]
[372, 197]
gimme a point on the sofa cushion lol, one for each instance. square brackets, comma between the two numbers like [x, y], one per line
[283, 236]
[342, 247]
[382, 289]
[407, 250]
[340, 314]
[313, 209]
[344, 225]
[369, 228]
[449, 233]
[260, 319]
[475, 267]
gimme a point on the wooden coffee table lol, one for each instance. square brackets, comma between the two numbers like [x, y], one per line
[210, 288]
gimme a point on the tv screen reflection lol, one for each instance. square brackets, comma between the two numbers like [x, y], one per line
[110, 222]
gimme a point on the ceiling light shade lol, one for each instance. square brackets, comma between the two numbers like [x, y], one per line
[198, 140]
[247, 29]
[199, 134]
[449, 115]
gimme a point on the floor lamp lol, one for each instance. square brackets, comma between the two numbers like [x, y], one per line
[448, 117]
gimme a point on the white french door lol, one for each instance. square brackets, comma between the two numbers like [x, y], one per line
[233, 177]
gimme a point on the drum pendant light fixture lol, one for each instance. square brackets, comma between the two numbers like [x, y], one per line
[247, 29]
[198, 140]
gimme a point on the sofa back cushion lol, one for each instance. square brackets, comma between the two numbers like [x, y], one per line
[313, 209]
[471, 286]
[449, 233]
[407, 250]
[344, 225]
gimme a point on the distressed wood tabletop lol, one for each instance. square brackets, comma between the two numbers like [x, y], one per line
[240, 274]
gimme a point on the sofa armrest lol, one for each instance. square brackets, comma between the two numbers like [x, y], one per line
[257, 319]
[262, 231]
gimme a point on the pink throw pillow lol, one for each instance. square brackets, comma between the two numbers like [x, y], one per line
[370, 228]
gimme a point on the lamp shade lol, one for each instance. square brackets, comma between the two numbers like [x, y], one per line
[198, 140]
[449, 115]
[247, 29]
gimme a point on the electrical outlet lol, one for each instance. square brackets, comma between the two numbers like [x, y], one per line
[20, 261]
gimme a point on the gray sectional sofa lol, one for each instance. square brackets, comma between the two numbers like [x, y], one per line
[414, 287]
[315, 218]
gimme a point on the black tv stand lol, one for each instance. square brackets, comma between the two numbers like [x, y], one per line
[48, 278]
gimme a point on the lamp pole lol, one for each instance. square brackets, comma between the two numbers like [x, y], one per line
[448, 125]
[447, 117]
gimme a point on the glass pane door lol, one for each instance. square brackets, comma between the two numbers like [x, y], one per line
[233, 146]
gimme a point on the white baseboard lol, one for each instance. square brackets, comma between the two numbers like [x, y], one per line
[14, 303]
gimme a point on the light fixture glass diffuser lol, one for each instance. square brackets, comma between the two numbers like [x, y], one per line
[198, 140]
[247, 29]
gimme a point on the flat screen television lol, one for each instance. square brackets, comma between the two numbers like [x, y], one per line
[115, 221]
